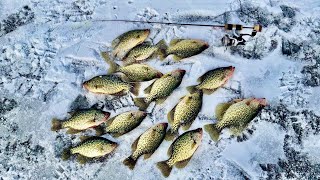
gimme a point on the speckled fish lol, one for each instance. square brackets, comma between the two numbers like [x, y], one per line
[90, 147]
[213, 80]
[124, 123]
[184, 113]
[184, 48]
[146, 144]
[81, 120]
[112, 85]
[181, 151]
[235, 115]
[133, 72]
[126, 41]
[160, 89]
[143, 52]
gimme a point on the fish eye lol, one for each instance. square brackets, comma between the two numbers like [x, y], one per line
[138, 36]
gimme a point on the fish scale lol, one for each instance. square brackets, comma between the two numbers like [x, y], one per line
[186, 112]
[162, 87]
[94, 148]
[149, 141]
[215, 78]
[181, 150]
[125, 122]
[107, 84]
[140, 72]
[235, 115]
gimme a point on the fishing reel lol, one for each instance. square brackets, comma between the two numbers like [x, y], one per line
[236, 38]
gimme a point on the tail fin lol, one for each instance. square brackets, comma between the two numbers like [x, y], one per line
[162, 49]
[170, 135]
[141, 103]
[164, 168]
[113, 66]
[99, 130]
[66, 154]
[192, 89]
[56, 124]
[213, 131]
[130, 162]
[135, 87]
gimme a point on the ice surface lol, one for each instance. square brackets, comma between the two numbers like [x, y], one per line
[48, 48]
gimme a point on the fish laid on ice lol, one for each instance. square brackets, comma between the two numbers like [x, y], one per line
[81, 120]
[160, 89]
[181, 151]
[235, 115]
[146, 144]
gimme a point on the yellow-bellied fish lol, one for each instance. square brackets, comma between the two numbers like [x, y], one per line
[90, 147]
[184, 48]
[184, 113]
[146, 144]
[111, 84]
[126, 41]
[213, 79]
[124, 123]
[181, 151]
[160, 89]
[81, 120]
[133, 72]
[235, 115]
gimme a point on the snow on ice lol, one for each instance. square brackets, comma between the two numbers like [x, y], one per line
[48, 48]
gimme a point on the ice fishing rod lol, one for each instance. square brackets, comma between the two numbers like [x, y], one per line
[257, 27]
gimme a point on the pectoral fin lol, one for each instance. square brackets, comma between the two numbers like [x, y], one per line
[82, 159]
[73, 131]
[121, 93]
[237, 130]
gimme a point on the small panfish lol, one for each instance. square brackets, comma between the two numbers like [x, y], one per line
[90, 147]
[213, 79]
[126, 41]
[160, 89]
[133, 72]
[81, 120]
[184, 48]
[146, 144]
[143, 52]
[184, 113]
[111, 84]
[235, 115]
[181, 151]
[124, 123]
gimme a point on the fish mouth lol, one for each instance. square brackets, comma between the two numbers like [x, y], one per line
[147, 31]
[106, 115]
[181, 71]
[165, 125]
[262, 101]
[231, 72]
[85, 85]
[206, 45]
[159, 75]
[143, 114]
[199, 130]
